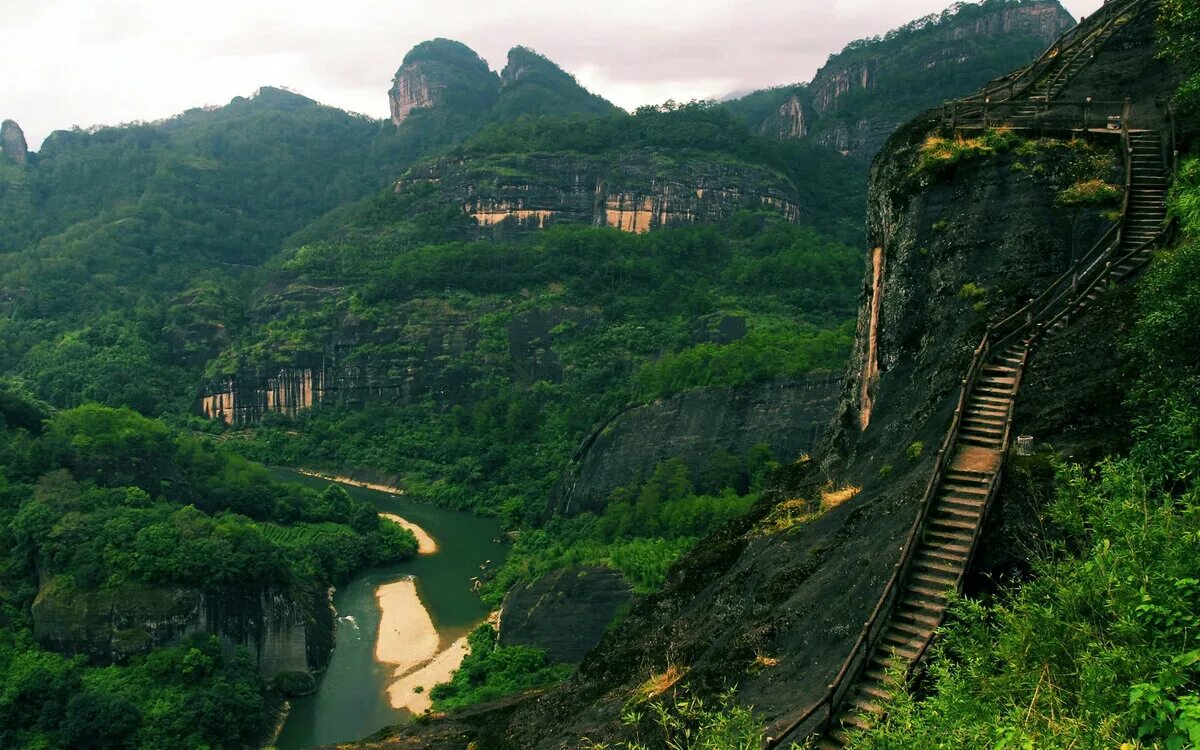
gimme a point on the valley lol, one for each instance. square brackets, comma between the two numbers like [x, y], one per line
[858, 412]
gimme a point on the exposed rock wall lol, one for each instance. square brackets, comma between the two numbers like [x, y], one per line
[12, 142]
[564, 612]
[286, 631]
[790, 417]
[634, 192]
[442, 72]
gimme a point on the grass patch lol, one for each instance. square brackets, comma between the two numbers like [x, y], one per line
[1093, 192]
[939, 153]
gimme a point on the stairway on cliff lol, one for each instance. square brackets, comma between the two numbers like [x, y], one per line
[941, 554]
[937, 560]
[1145, 215]
[1067, 63]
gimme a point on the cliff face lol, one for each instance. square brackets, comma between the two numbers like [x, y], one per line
[12, 142]
[862, 94]
[287, 632]
[565, 612]
[796, 578]
[427, 351]
[441, 72]
[634, 192]
[790, 417]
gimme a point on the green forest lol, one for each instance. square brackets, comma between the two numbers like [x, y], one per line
[143, 266]
[104, 502]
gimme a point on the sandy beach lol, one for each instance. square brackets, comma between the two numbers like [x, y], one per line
[408, 641]
[425, 543]
[351, 481]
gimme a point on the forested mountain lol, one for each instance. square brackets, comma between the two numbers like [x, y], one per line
[868, 89]
[482, 297]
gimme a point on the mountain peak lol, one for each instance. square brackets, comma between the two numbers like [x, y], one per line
[12, 142]
[532, 83]
[439, 70]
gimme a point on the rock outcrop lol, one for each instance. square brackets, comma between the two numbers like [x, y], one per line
[12, 142]
[565, 612]
[631, 191]
[789, 417]
[442, 72]
[531, 84]
[286, 631]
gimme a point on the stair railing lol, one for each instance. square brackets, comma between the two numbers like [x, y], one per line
[1019, 81]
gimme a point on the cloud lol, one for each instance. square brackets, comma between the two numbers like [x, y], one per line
[85, 62]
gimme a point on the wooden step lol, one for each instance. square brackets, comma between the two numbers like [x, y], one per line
[936, 565]
[980, 441]
[954, 557]
[866, 705]
[968, 476]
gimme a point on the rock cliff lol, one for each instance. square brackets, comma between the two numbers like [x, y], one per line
[635, 191]
[565, 612]
[442, 72]
[12, 142]
[790, 417]
[285, 631]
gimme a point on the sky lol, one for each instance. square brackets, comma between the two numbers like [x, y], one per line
[91, 62]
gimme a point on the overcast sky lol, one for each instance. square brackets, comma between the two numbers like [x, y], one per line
[87, 62]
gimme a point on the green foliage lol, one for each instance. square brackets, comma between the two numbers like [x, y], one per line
[914, 450]
[972, 292]
[644, 527]
[491, 671]
[1090, 193]
[691, 723]
[1179, 34]
[759, 357]
[939, 154]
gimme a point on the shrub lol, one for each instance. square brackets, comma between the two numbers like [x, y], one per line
[914, 450]
[938, 153]
[1090, 193]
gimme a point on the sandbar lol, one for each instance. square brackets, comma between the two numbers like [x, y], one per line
[408, 642]
[341, 479]
[425, 543]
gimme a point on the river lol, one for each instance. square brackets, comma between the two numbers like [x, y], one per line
[352, 701]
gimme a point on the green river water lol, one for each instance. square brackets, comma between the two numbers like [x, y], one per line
[352, 700]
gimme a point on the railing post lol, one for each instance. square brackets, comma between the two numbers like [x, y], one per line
[987, 100]
[954, 115]
[1127, 113]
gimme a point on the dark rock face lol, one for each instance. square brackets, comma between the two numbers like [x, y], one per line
[790, 417]
[287, 632]
[12, 142]
[633, 192]
[565, 612]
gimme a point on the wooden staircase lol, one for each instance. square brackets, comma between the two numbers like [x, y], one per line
[940, 557]
[938, 550]
[1065, 66]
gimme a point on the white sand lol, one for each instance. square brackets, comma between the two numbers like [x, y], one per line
[408, 641]
[439, 669]
[407, 638]
[425, 543]
[354, 482]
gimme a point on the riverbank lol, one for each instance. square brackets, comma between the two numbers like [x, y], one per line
[343, 479]
[408, 642]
